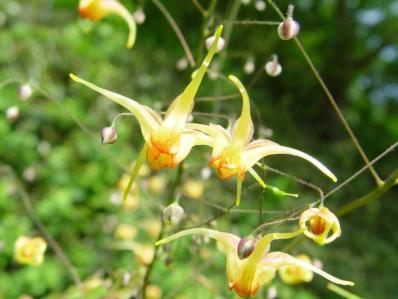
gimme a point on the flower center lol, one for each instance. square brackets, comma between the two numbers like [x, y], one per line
[317, 225]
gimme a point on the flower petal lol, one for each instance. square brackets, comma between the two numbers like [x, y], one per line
[243, 129]
[181, 107]
[145, 118]
[254, 153]
[188, 139]
[280, 259]
[229, 244]
[98, 9]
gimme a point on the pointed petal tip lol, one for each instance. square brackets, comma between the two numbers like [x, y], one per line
[73, 77]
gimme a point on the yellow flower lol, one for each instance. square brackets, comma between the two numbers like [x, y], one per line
[157, 184]
[153, 291]
[29, 251]
[233, 151]
[168, 140]
[317, 223]
[95, 10]
[193, 189]
[296, 274]
[125, 232]
[247, 275]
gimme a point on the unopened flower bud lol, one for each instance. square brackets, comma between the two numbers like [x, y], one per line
[245, 247]
[288, 29]
[173, 214]
[272, 67]
[249, 66]
[12, 114]
[108, 135]
[220, 43]
[139, 16]
[182, 64]
[317, 223]
[245, 2]
[29, 174]
[205, 173]
[260, 5]
[25, 91]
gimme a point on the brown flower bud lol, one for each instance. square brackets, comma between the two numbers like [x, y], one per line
[288, 29]
[245, 247]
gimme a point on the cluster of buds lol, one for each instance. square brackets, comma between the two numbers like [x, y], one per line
[320, 225]
[289, 28]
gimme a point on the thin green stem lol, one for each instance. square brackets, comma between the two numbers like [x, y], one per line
[172, 196]
[199, 7]
[390, 182]
[205, 30]
[134, 172]
[342, 292]
[253, 22]
[177, 30]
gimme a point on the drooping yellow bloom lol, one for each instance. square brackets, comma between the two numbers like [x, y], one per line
[234, 152]
[168, 140]
[246, 276]
[29, 251]
[295, 274]
[95, 10]
[317, 223]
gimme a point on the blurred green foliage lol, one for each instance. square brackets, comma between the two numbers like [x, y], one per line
[74, 186]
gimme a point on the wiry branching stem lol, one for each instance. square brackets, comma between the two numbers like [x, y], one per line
[177, 30]
[332, 101]
[172, 196]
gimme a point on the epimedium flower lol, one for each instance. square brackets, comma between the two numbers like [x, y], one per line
[320, 225]
[293, 274]
[168, 140]
[247, 275]
[95, 10]
[29, 251]
[234, 152]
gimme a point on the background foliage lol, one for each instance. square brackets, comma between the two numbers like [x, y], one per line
[75, 190]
